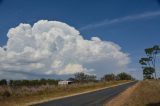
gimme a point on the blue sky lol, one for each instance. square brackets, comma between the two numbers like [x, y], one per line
[132, 24]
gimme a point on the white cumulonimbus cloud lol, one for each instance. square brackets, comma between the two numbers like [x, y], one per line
[55, 48]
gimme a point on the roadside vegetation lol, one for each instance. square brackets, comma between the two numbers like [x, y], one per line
[23, 92]
[120, 76]
[145, 93]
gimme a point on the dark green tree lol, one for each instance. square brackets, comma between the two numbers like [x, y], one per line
[82, 77]
[148, 72]
[124, 76]
[3, 82]
[108, 77]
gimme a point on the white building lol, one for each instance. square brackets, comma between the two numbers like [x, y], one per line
[64, 82]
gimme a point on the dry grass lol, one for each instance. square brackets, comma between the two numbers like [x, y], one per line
[20, 96]
[122, 97]
[145, 93]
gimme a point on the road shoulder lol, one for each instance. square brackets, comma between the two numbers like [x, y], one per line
[122, 97]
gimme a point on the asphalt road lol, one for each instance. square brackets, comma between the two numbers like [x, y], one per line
[96, 98]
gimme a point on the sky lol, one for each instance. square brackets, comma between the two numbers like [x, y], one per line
[57, 38]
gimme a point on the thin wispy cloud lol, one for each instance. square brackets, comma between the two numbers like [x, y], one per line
[122, 19]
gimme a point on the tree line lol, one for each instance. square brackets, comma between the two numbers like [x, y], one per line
[149, 62]
[82, 77]
[120, 76]
[29, 82]
[78, 78]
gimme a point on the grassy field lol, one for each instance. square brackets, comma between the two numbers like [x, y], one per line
[144, 93]
[20, 96]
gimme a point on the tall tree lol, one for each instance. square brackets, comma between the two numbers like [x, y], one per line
[149, 63]
[151, 54]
